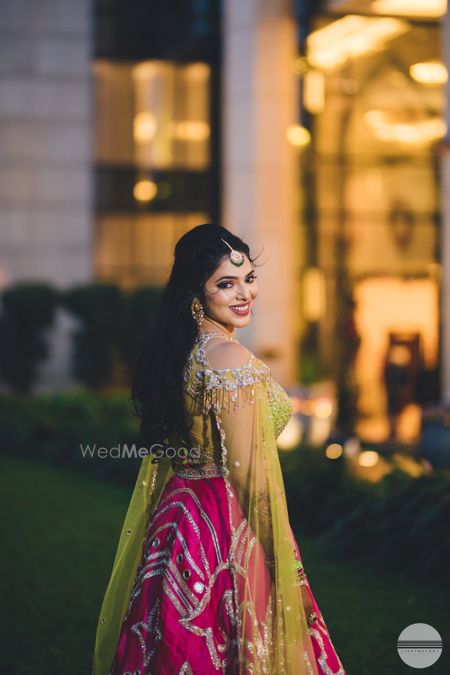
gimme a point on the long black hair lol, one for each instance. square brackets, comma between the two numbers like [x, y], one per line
[157, 377]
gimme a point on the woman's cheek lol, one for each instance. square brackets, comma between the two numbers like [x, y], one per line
[223, 296]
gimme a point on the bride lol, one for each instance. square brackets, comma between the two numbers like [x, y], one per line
[208, 576]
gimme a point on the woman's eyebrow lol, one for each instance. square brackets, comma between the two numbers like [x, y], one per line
[230, 277]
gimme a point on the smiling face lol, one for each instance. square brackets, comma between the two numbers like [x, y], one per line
[230, 292]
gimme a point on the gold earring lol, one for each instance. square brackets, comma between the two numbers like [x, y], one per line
[197, 311]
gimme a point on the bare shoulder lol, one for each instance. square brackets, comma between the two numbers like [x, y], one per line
[226, 354]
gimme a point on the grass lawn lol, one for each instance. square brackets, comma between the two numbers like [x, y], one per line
[60, 531]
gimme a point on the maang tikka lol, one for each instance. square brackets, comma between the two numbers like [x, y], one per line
[236, 257]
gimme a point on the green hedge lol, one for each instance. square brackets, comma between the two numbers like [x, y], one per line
[399, 523]
[52, 427]
[404, 526]
[27, 313]
[318, 489]
[97, 307]
[104, 344]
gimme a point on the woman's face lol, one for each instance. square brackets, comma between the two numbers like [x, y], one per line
[230, 292]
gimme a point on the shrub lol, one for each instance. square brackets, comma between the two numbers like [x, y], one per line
[399, 523]
[139, 309]
[98, 307]
[52, 427]
[28, 311]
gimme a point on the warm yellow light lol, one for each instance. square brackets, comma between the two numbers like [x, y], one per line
[145, 70]
[349, 37]
[291, 435]
[314, 294]
[197, 71]
[319, 430]
[300, 65]
[368, 458]
[298, 135]
[323, 409]
[425, 8]
[304, 406]
[352, 446]
[429, 72]
[334, 451]
[409, 465]
[375, 118]
[191, 130]
[422, 131]
[314, 91]
[144, 127]
[145, 190]
[434, 270]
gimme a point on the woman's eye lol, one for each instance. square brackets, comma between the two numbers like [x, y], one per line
[228, 284]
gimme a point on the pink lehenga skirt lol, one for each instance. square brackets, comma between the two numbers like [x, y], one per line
[181, 614]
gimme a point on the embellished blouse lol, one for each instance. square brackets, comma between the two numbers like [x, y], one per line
[210, 390]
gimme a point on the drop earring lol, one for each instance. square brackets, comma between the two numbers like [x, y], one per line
[197, 311]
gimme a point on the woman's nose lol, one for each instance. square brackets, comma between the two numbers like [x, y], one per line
[244, 293]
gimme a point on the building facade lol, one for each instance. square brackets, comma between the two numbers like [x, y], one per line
[316, 131]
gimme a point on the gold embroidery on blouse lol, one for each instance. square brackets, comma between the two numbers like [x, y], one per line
[280, 407]
[228, 388]
[222, 388]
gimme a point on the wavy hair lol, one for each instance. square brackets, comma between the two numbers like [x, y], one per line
[157, 375]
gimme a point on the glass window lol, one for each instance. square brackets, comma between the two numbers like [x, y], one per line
[152, 114]
[153, 164]
[138, 249]
[373, 102]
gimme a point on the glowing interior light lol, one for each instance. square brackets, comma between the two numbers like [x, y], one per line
[334, 451]
[191, 130]
[352, 446]
[314, 294]
[385, 128]
[145, 70]
[291, 435]
[368, 458]
[298, 135]
[144, 127]
[300, 65]
[426, 8]
[197, 71]
[307, 407]
[319, 430]
[429, 72]
[350, 37]
[435, 270]
[323, 409]
[145, 190]
[314, 91]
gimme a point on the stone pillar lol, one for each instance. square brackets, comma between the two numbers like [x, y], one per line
[45, 151]
[45, 129]
[445, 204]
[259, 168]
